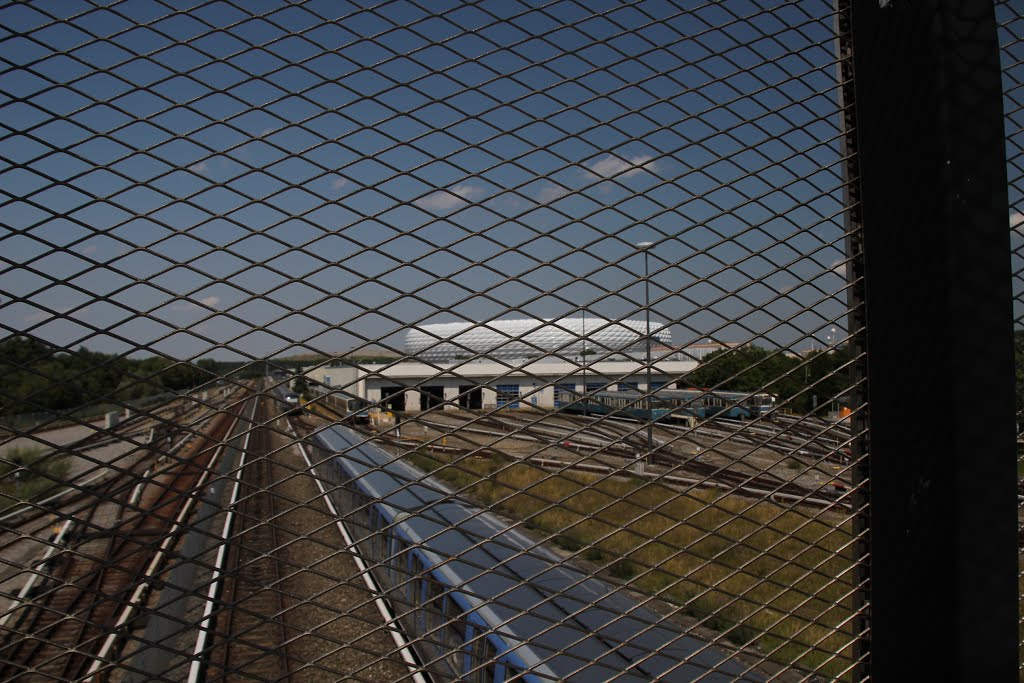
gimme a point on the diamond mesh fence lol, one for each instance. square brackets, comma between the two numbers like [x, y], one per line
[1011, 40]
[433, 341]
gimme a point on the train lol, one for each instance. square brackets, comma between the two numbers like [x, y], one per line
[487, 603]
[628, 404]
[670, 405]
[332, 405]
[704, 403]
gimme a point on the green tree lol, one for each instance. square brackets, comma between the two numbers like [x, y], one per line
[803, 383]
[39, 376]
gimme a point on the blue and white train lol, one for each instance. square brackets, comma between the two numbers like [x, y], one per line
[669, 405]
[705, 403]
[487, 603]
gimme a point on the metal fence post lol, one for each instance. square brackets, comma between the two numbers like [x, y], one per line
[939, 334]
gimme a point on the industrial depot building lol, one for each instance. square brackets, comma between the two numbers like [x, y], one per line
[513, 364]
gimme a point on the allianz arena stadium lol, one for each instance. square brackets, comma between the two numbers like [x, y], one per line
[526, 338]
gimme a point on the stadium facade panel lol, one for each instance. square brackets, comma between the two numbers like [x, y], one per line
[530, 338]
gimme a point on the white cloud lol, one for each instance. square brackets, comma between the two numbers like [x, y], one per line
[339, 183]
[550, 192]
[1017, 221]
[209, 302]
[612, 165]
[201, 167]
[461, 194]
[839, 267]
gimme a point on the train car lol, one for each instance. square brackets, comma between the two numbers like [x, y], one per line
[331, 404]
[485, 602]
[356, 409]
[703, 403]
[744, 405]
[631, 404]
[760, 404]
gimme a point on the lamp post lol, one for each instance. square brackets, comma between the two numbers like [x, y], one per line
[583, 356]
[832, 340]
[645, 247]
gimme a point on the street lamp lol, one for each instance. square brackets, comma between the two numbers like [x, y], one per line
[583, 356]
[645, 247]
[831, 341]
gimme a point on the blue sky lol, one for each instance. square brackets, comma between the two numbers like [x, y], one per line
[177, 175]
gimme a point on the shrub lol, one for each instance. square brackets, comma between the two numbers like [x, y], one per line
[623, 569]
[567, 543]
[26, 474]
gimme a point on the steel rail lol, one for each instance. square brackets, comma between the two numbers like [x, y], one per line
[59, 619]
[143, 586]
[36, 569]
[752, 486]
[83, 488]
[197, 667]
[391, 623]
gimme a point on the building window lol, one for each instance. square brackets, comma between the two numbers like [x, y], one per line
[629, 386]
[508, 395]
[565, 394]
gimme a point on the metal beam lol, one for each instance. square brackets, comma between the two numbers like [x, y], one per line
[933, 192]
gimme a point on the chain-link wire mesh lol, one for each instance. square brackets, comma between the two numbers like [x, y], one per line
[1011, 40]
[433, 341]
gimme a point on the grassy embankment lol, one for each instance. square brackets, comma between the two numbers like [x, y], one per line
[27, 474]
[759, 574]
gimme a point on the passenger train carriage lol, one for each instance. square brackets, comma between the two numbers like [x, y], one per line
[485, 602]
[713, 403]
[668, 405]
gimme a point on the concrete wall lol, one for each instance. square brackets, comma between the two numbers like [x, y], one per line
[536, 390]
[343, 377]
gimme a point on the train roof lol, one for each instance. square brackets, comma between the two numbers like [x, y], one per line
[640, 396]
[557, 619]
[692, 393]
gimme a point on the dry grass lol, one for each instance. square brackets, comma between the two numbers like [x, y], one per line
[761, 575]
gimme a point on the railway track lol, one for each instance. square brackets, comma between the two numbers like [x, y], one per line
[806, 437]
[403, 662]
[252, 635]
[150, 432]
[61, 588]
[71, 623]
[262, 605]
[621, 442]
[755, 483]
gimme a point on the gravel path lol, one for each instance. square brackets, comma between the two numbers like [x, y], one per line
[335, 628]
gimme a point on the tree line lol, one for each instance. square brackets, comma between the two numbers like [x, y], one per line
[39, 376]
[804, 383]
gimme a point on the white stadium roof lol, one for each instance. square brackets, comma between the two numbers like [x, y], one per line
[526, 338]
